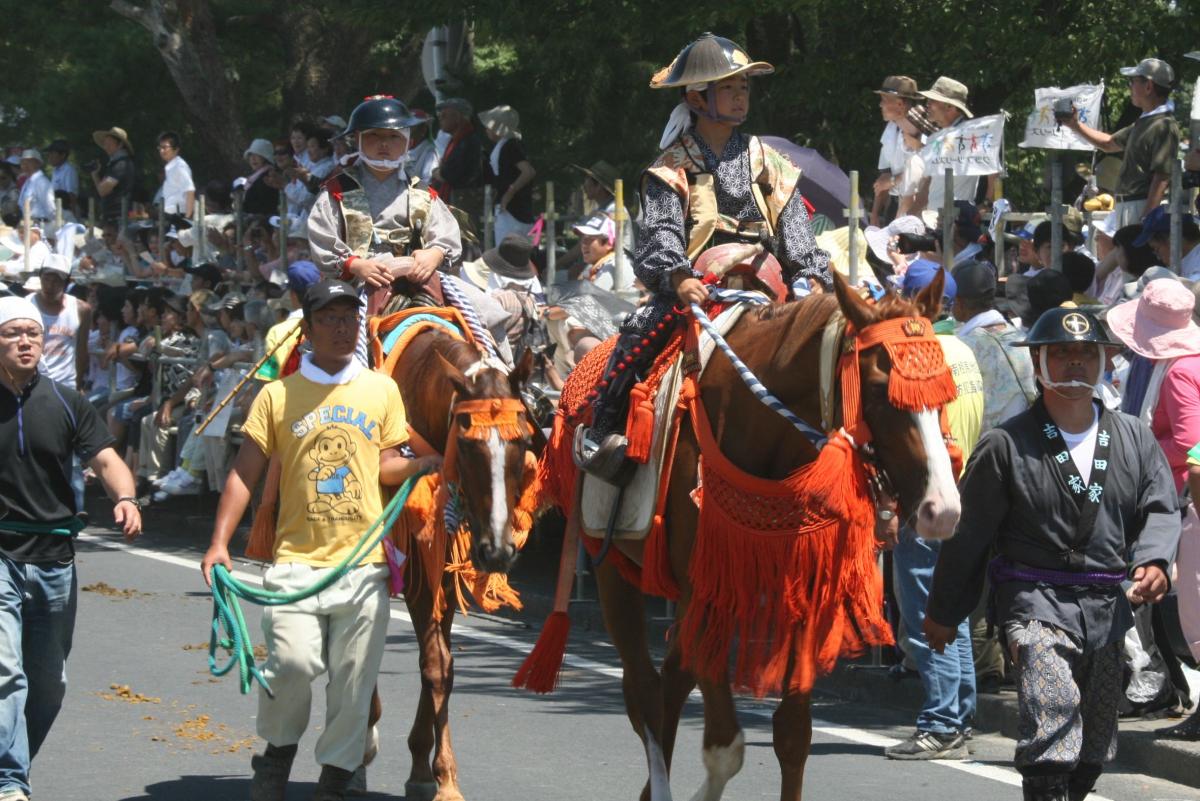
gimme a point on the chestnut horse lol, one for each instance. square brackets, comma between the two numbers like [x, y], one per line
[436, 374]
[781, 346]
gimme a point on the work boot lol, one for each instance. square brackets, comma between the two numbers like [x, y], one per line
[271, 771]
[1045, 788]
[333, 784]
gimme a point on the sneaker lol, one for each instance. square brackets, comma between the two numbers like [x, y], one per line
[188, 485]
[929, 745]
[174, 475]
[11, 793]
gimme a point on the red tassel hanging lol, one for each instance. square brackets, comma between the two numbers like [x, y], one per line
[639, 429]
[540, 670]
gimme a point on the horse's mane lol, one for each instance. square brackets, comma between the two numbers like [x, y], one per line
[893, 306]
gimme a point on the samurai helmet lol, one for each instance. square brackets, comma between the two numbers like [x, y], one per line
[1065, 324]
[380, 111]
[709, 59]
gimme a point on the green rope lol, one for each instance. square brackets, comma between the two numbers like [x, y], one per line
[226, 590]
[67, 527]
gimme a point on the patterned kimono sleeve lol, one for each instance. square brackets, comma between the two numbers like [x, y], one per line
[796, 247]
[663, 248]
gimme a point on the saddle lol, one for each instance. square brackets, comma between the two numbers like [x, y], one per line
[643, 496]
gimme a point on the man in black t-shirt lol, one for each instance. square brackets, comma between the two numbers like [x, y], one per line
[42, 425]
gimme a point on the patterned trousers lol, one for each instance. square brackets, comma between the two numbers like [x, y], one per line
[1067, 697]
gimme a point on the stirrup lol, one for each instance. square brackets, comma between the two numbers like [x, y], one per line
[606, 460]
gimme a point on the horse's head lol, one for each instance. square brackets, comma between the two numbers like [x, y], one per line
[901, 404]
[492, 433]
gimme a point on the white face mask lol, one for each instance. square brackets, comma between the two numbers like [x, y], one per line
[384, 164]
[1044, 373]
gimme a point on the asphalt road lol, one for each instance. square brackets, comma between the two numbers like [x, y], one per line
[144, 720]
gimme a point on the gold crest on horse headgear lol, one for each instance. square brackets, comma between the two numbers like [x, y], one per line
[914, 328]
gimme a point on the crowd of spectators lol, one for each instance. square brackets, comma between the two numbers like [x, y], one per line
[1117, 263]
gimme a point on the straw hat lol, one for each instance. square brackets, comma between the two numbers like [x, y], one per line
[951, 92]
[502, 121]
[1159, 324]
[116, 133]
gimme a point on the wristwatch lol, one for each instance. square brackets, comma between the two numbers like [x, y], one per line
[885, 514]
[136, 503]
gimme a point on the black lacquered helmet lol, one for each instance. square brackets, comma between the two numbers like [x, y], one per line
[1066, 324]
[380, 112]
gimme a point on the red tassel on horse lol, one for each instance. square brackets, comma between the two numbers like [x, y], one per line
[639, 429]
[540, 670]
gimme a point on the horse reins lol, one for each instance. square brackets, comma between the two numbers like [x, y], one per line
[879, 483]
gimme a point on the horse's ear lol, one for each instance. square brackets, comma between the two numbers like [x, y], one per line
[929, 299]
[456, 377]
[521, 373]
[854, 307]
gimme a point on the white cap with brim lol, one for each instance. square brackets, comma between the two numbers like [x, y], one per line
[56, 263]
[14, 308]
[30, 153]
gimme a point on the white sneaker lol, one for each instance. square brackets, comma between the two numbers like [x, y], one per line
[174, 475]
[188, 485]
[13, 794]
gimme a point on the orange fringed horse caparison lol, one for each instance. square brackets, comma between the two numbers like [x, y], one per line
[486, 426]
[780, 555]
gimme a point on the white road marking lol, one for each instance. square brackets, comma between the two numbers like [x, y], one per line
[758, 709]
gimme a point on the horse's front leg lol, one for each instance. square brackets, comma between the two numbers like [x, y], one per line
[793, 740]
[724, 744]
[421, 784]
[445, 767]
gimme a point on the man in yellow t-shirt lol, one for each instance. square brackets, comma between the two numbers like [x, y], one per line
[335, 428]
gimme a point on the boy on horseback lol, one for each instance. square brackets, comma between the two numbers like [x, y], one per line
[372, 224]
[710, 185]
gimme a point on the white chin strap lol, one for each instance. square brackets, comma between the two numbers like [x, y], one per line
[1044, 374]
[384, 164]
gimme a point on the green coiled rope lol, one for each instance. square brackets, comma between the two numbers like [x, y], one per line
[229, 625]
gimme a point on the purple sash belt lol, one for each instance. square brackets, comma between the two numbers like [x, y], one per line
[1002, 570]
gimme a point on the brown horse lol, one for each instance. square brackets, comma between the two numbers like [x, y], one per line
[438, 376]
[778, 344]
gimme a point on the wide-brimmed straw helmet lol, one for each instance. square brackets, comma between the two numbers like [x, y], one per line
[709, 59]
[380, 112]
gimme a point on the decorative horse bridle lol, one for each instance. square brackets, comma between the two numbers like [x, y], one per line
[508, 417]
[920, 379]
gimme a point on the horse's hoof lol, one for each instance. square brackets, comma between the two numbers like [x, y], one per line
[420, 791]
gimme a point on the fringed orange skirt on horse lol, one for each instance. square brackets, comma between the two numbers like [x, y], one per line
[421, 532]
[783, 573]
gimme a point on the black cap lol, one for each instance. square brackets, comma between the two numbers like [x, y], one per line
[976, 280]
[177, 303]
[206, 270]
[1066, 324]
[58, 146]
[321, 294]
